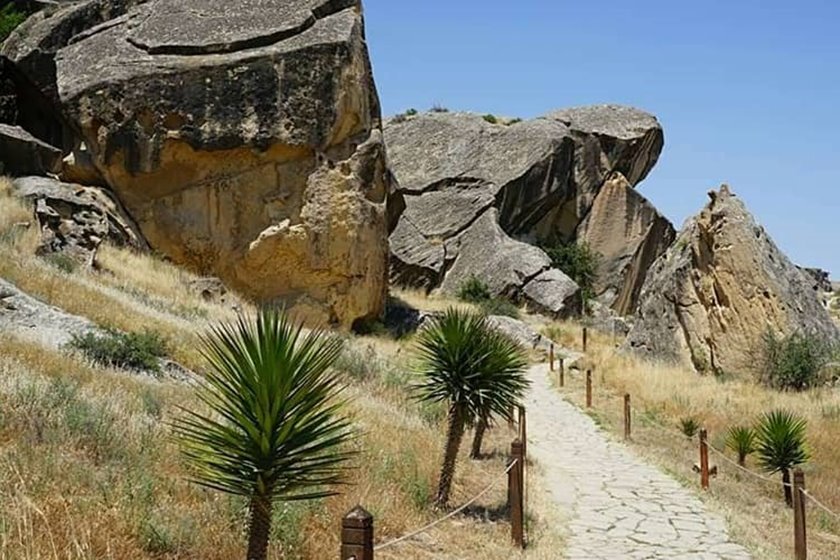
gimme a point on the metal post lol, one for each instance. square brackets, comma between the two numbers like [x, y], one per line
[800, 541]
[357, 535]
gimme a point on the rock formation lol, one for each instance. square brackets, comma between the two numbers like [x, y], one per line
[242, 136]
[23, 154]
[480, 195]
[710, 299]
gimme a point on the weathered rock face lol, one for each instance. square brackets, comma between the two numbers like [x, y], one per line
[75, 219]
[629, 234]
[23, 154]
[243, 136]
[709, 300]
[477, 193]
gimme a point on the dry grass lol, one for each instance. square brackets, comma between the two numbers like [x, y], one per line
[88, 469]
[663, 395]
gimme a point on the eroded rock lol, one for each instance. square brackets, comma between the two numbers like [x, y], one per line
[23, 154]
[710, 299]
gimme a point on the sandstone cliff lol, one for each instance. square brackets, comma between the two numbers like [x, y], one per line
[709, 300]
[243, 137]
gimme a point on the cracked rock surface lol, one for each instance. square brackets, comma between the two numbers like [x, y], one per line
[619, 506]
[514, 185]
[708, 302]
[242, 136]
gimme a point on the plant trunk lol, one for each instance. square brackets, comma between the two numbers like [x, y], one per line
[259, 527]
[480, 428]
[787, 486]
[454, 435]
[742, 460]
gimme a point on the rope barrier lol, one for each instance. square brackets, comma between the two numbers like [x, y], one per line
[819, 504]
[746, 470]
[451, 514]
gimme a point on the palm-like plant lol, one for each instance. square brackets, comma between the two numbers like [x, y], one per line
[781, 445]
[474, 369]
[275, 429]
[741, 440]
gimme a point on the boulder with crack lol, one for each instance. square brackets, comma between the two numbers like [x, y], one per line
[562, 177]
[710, 299]
[242, 136]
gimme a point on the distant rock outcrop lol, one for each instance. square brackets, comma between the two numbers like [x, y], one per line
[242, 136]
[710, 299]
[480, 195]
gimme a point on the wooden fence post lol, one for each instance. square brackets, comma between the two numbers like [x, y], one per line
[562, 365]
[704, 459]
[800, 541]
[584, 338]
[627, 417]
[589, 388]
[551, 357]
[516, 493]
[523, 433]
[357, 535]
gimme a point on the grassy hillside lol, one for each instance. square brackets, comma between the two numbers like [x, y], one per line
[662, 396]
[88, 468]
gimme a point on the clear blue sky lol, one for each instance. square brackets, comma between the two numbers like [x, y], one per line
[748, 91]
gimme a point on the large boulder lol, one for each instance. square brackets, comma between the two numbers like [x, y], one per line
[710, 299]
[243, 137]
[519, 184]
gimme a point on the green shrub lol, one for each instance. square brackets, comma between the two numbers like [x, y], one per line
[62, 261]
[438, 108]
[795, 362]
[578, 261]
[10, 18]
[689, 426]
[136, 351]
[499, 306]
[513, 121]
[781, 445]
[474, 290]
[490, 118]
[411, 112]
[741, 440]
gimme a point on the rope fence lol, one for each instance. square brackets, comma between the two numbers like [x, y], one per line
[451, 514]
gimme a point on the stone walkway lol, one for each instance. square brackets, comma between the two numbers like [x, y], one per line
[618, 506]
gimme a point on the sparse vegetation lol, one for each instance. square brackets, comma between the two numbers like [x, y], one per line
[689, 426]
[513, 121]
[794, 362]
[411, 112]
[63, 262]
[474, 290]
[781, 445]
[438, 108]
[490, 118]
[10, 18]
[741, 440]
[578, 261]
[277, 431]
[474, 370]
[134, 350]
[499, 306]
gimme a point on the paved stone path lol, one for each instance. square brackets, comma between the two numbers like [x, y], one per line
[619, 507]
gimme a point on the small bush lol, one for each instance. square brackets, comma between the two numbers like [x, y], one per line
[795, 362]
[438, 108]
[136, 351]
[10, 18]
[490, 118]
[741, 440]
[499, 306]
[411, 112]
[474, 290]
[62, 261]
[689, 426]
[578, 261]
[513, 121]
[398, 118]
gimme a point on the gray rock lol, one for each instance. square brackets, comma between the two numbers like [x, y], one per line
[711, 298]
[76, 219]
[23, 154]
[520, 332]
[554, 294]
[819, 277]
[541, 177]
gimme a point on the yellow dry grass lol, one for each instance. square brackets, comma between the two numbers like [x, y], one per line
[663, 395]
[88, 468]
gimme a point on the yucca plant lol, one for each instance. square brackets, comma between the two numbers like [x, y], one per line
[689, 426]
[475, 370]
[275, 430]
[781, 445]
[741, 440]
